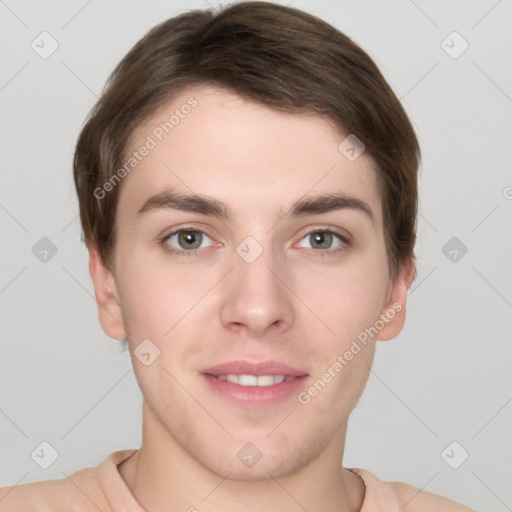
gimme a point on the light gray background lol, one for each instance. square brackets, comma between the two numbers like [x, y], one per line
[445, 378]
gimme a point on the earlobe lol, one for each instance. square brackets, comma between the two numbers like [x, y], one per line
[107, 296]
[393, 314]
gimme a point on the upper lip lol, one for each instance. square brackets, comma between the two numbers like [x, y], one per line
[254, 368]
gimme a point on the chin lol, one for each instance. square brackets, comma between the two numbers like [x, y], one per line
[260, 459]
[269, 466]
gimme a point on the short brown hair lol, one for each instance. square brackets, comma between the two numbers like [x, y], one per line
[278, 56]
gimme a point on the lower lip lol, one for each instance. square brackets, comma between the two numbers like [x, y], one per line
[255, 396]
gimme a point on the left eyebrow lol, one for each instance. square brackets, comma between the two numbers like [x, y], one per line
[327, 203]
[206, 205]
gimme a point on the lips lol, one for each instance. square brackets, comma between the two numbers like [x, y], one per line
[256, 369]
[254, 384]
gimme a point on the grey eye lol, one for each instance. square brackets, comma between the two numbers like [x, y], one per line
[187, 239]
[322, 239]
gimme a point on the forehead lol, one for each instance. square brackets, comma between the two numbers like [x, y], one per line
[211, 141]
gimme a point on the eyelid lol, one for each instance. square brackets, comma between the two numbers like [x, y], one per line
[186, 227]
[342, 233]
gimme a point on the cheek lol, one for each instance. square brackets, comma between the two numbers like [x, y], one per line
[349, 303]
[159, 297]
[346, 297]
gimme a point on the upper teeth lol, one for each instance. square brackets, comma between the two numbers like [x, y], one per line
[252, 380]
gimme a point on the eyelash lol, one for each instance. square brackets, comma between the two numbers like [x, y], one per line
[195, 252]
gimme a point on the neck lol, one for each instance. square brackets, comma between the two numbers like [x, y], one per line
[162, 476]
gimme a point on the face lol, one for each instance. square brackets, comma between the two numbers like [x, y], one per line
[252, 281]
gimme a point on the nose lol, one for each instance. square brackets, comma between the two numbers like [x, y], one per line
[256, 300]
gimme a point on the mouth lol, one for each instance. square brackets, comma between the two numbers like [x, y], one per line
[254, 385]
[253, 380]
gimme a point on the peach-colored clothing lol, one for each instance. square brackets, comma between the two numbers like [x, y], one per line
[103, 489]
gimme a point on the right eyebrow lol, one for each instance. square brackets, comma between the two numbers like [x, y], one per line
[188, 203]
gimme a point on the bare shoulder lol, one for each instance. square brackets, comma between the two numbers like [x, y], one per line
[413, 499]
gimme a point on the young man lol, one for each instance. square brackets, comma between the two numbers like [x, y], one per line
[247, 190]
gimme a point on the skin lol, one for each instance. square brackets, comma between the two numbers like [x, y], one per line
[292, 304]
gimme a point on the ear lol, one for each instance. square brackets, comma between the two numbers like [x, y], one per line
[107, 297]
[393, 313]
